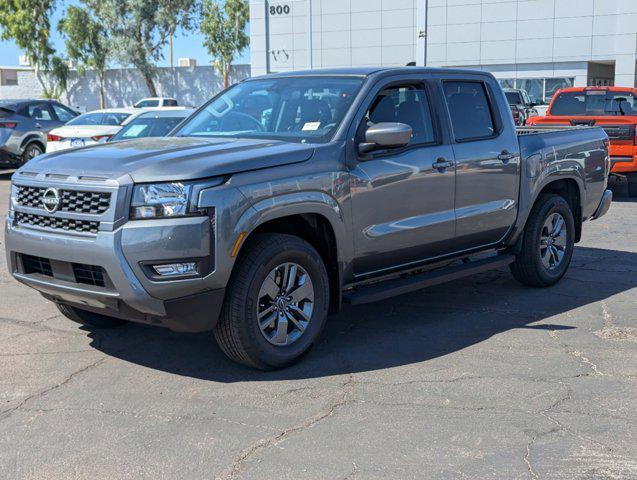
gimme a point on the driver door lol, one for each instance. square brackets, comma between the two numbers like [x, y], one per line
[403, 198]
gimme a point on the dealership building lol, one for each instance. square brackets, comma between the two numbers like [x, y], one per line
[538, 45]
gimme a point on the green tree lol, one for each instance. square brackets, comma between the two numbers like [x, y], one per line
[87, 43]
[55, 77]
[27, 23]
[224, 32]
[139, 30]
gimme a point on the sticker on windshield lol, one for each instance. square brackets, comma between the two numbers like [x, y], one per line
[311, 126]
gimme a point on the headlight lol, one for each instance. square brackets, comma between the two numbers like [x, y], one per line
[161, 200]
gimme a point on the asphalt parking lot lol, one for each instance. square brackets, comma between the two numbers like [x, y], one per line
[477, 379]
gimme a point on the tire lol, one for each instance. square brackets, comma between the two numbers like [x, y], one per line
[632, 185]
[89, 318]
[530, 266]
[249, 331]
[31, 151]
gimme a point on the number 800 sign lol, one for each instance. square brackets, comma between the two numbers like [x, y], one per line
[279, 9]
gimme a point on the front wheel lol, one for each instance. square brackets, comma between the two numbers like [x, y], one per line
[547, 246]
[276, 304]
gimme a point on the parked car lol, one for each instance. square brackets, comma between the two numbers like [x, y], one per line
[156, 102]
[612, 108]
[90, 128]
[24, 125]
[257, 218]
[156, 123]
[520, 99]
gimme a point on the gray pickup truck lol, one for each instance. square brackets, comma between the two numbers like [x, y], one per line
[289, 194]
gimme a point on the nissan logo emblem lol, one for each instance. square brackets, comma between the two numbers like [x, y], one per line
[51, 199]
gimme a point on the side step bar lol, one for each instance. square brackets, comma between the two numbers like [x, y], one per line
[398, 286]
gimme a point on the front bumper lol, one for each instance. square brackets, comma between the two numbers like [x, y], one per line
[120, 249]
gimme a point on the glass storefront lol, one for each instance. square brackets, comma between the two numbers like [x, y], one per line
[541, 90]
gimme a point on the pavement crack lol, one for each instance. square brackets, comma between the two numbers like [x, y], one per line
[581, 356]
[6, 413]
[339, 399]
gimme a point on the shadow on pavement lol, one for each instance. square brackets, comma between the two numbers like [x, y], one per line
[408, 329]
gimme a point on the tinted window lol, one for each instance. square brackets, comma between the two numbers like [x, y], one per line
[100, 118]
[148, 103]
[469, 109]
[513, 98]
[63, 113]
[295, 109]
[39, 111]
[147, 127]
[169, 102]
[406, 105]
[594, 102]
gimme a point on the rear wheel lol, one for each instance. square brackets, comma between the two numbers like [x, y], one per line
[32, 151]
[89, 318]
[548, 243]
[276, 304]
[632, 185]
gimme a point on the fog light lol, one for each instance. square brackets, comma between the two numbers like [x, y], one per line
[172, 269]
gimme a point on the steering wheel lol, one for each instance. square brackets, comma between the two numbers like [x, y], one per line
[241, 120]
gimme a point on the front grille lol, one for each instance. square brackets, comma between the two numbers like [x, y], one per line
[39, 265]
[88, 274]
[75, 201]
[65, 224]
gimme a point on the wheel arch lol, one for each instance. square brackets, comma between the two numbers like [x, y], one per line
[29, 139]
[572, 191]
[313, 216]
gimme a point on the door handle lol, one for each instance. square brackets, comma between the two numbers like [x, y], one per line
[441, 164]
[505, 156]
[37, 125]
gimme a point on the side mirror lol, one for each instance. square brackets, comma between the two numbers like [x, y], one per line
[385, 135]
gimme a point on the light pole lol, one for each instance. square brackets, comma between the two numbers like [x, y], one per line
[309, 34]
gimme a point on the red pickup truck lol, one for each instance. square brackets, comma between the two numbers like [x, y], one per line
[612, 108]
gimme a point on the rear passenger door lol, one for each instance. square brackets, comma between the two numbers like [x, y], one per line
[402, 198]
[487, 160]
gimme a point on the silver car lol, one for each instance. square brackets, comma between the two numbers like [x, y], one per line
[24, 125]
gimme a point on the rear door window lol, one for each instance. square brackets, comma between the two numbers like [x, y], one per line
[471, 117]
[39, 111]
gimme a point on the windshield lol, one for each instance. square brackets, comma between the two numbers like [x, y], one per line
[295, 109]
[594, 103]
[147, 127]
[513, 98]
[101, 118]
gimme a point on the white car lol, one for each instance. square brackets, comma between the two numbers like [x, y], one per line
[90, 128]
[156, 102]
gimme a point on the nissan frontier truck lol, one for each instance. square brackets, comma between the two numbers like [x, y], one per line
[287, 195]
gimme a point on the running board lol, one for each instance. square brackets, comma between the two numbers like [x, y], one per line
[399, 286]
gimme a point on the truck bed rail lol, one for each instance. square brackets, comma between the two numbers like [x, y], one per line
[536, 129]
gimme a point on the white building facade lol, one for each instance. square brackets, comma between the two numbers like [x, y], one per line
[538, 45]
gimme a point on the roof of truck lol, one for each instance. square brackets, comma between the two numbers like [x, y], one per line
[367, 71]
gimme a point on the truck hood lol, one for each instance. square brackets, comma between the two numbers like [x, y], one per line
[171, 158]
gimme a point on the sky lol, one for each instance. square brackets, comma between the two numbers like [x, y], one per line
[189, 45]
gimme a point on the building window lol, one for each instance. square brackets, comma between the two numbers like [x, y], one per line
[541, 90]
[8, 77]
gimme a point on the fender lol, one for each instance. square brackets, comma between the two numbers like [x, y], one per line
[296, 203]
[540, 170]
